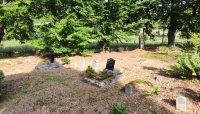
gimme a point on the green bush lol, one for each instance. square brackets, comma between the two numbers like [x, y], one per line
[1, 76]
[187, 65]
[119, 109]
[193, 44]
[90, 72]
[65, 60]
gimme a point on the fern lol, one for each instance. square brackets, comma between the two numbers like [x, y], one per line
[187, 65]
[119, 109]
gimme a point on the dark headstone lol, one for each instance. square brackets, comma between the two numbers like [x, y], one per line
[110, 64]
[52, 60]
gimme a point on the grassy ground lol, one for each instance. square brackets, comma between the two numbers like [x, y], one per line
[15, 48]
[12, 43]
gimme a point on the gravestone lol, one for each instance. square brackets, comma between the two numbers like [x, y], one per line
[95, 65]
[110, 64]
[128, 89]
[181, 103]
[49, 65]
[52, 59]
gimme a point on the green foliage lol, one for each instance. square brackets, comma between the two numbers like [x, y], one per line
[16, 21]
[187, 65]
[72, 100]
[87, 52]
[40, 101]
[90, 72]
[119, 109]
[1, 76]
[65, 60]
[198, 94]
[193, 44]
[152, 91]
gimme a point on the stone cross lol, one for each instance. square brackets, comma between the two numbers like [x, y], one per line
[95, 65]
[128, 89]
[110, 64]
[181, 103]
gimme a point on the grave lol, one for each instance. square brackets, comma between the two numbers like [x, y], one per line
[110, 64]
[95, 65]
[128, 89]
[108, 76]
[48, 66]
[181, 103]
[52, 59]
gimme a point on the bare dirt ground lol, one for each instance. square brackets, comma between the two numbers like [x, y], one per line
[25, 90]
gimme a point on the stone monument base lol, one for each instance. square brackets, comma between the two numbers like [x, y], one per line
[116, 75]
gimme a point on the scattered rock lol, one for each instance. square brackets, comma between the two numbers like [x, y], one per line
[159, 78]
[142, 61]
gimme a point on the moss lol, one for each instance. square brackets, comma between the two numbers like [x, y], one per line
[141, 81]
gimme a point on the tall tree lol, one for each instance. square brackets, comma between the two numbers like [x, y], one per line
[1, 25]
[141, 18]
[182, 16]
[15, 21]
[62, 25]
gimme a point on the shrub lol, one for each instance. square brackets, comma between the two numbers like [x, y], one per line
[65, 60]
[187, 65]
[193, 44]
[90, 72]
[1, 76]
[119, 109]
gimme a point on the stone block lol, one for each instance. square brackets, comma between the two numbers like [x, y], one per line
[181, 103]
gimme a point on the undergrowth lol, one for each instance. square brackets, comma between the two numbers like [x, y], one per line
[119, 109]
[187, 65]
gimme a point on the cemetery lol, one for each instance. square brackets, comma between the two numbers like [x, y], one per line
[139, 83]
[99, 57]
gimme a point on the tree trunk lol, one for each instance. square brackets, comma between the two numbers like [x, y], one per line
[172, 29]
[1, 33]
[191, 27]
[1, 27]
[141, 38]
[163, 36]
